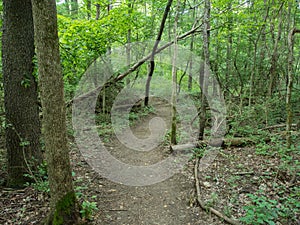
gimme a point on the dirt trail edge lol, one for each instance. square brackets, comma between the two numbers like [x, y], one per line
[164, 203]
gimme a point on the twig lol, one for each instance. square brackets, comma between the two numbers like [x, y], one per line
[116, 210]
[214, 211]
[244, 173]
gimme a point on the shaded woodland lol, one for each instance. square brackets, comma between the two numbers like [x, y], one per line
[223, 76]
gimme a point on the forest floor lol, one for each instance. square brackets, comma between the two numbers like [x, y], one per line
[225, 185]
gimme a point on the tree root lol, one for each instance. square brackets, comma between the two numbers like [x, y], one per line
[202, 205]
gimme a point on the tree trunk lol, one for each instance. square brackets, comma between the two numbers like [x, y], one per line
[228, 74]
[274, 58]
[97, 11]
[289, 110]
[20, 90]
[152, 63]
[206, 68]
[89, 8]
[63, 204]
[174, 79]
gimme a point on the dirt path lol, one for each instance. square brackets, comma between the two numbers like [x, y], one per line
[167, 202]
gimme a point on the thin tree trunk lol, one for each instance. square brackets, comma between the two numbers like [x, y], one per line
[97, 11]
[289, 110]
[228, 54]
[253, 75]
[89, 8]
[152, 63]
[63, 204]
[274, 57]
[190, 80]
[206, 68]
[174, 79]
[128, 46]
[20, 91]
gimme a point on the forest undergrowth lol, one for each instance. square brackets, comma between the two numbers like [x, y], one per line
[254, 182]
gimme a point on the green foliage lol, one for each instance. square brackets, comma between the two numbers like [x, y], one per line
[198, 152]
[140, 113]
[40, 178]
[262, 210]
[87, 209]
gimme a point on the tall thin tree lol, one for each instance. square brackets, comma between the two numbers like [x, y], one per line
[206, 67]
[152, 63]
[174, 78]
[64, 207]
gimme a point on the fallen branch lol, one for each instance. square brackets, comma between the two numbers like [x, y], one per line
[214, 211]
[244, 173]
[135, 66]
[277, 126]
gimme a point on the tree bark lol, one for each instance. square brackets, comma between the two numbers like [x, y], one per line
[274, 58]
[174, 79]
[206, 68]
[152, 63]
[20, 91]
[289, 110]
[63, 204]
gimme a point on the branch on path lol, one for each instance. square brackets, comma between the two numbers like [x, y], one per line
[277, 126]
[227, 142]
[202, 205]
[136, 65]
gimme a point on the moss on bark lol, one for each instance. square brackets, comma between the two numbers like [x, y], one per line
[65, 210]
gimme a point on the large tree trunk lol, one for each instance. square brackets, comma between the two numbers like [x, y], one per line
[20, 90]
[64, 207]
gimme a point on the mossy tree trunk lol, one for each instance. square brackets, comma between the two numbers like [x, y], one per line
[64, 208]
[20, 91]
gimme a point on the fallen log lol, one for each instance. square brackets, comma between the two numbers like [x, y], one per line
[227, 142]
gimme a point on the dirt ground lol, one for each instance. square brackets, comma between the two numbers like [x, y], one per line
[171, 202]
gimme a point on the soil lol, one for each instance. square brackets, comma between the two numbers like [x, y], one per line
[225, 185]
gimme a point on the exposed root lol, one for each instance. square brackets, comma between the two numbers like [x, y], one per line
[202, 205]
